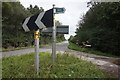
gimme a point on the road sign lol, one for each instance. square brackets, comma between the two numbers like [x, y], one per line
[42, 20]
[59, 10]
[60, 29]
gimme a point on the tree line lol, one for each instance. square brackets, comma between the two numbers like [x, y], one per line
[13, 34]
[100, 26]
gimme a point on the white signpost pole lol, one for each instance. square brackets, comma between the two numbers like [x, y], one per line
[36, 37]
[54, 37]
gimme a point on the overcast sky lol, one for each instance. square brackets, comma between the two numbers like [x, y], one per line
[74, 10]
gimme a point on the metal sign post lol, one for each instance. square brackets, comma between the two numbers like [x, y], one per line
[36, 37]
[55, 11]
[54, 38]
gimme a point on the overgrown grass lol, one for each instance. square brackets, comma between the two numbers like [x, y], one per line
[91, 51]
[65, 67]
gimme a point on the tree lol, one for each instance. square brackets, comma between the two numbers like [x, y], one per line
[12, 31]
[71, 38]
[35, 9]
[100, 26]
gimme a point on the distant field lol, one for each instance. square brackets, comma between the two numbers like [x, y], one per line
[65, 67]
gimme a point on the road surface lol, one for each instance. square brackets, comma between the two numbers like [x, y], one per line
[102, 62]
[61, 47]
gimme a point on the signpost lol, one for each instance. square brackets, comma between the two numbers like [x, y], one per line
[44, 20]
[54, 37]
[55, 11]
[36, 22]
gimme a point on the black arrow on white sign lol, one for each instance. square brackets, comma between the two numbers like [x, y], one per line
[42, 20]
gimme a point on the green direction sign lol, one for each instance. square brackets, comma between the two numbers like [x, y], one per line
[59, 10]
[60, 29]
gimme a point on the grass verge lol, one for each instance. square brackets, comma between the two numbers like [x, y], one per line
[91, 51]
[65, 67]
[19, 48]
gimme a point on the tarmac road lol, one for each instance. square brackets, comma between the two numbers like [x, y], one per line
[61, 47]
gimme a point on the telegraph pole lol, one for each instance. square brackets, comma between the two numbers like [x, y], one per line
[36, 37]
[54, 37]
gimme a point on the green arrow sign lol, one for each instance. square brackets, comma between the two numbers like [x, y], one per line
[59, 10]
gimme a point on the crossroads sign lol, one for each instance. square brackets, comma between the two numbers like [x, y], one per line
[42, 20]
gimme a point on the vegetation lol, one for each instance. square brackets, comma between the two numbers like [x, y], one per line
[13, 34]
[65, 67]
[100, 27]
[18, 48]
[89, 50]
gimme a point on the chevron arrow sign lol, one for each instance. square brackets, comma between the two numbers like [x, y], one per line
[42, 20]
